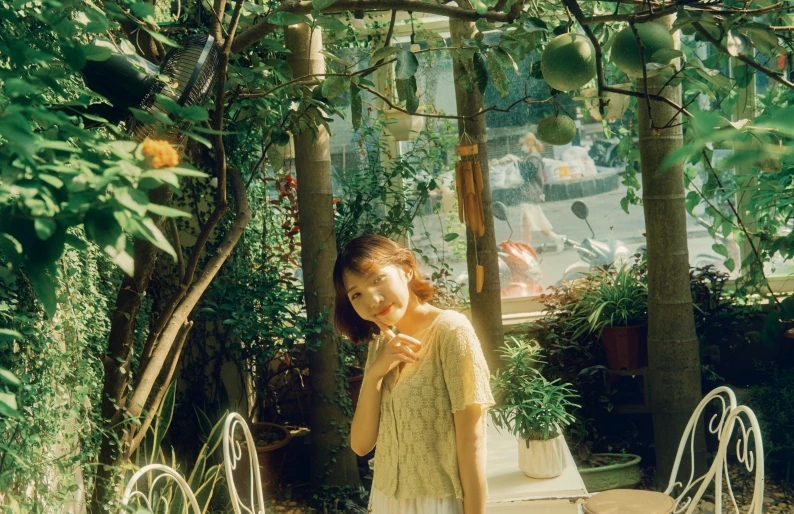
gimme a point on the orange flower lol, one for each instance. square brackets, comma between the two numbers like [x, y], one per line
[160, 153]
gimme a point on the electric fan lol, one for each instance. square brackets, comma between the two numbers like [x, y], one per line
[186, 76]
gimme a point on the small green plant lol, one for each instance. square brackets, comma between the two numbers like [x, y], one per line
[616, 298]
[527, 404]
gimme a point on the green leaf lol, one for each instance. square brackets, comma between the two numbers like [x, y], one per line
[169, 212]
[44, 285]
[6, 334]
[382, 53]
[203, 140]
[498, 75]
[133, 199]
[9, 378]
[162, 38]
[16, 87]
[186, 172]
[406, 90]
[480, 72]
[730, 264]
[146, 229]
[665, 55]
[356, 107]
[431, 38]
[8, 405]
[275, 157]
[407, 64]
[322, 4]
[284, 18]
[150, 179]
[334, 86]
[45, 228]
[534, 24]
[720, 249]
[163, 419]
[451, 236]
[330, 24]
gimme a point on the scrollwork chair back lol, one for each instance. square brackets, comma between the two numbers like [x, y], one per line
[151, 499]
[232, 457]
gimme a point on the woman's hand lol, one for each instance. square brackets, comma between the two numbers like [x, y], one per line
[400, 348]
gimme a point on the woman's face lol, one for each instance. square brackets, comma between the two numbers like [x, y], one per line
[382, 295]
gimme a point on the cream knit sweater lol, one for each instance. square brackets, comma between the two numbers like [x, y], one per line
[416, 453]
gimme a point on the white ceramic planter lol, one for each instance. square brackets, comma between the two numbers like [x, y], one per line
[403, 126]
[542, 459]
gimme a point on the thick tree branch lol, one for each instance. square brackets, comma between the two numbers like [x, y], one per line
[216, 26]
[263, 28]
[525, 100]
[173, 360]
[148, 374]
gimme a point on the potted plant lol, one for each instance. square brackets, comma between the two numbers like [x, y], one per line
[614, 304]
[533, 408]
[271, 442]
[603, 471]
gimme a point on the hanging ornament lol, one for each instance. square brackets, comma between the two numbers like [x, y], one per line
[469, 184]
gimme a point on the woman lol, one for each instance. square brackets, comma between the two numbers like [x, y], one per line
[425, 387]
[531, 194]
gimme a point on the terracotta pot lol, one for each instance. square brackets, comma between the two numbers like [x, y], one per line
[271, 457]
[626, 347]
[542, 459]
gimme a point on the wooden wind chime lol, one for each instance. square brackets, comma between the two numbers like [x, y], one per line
[468, 182]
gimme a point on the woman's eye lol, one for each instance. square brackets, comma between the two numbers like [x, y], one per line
[355, 295]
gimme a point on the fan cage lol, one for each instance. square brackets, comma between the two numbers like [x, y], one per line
[192, 71]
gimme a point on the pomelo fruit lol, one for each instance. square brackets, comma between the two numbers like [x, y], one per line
[626, 51]
[568, 62]
[556, 129]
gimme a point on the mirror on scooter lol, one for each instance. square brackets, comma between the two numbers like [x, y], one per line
[500, 211]
[581, 211]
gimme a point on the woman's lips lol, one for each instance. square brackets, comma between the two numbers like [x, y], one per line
[384, 311]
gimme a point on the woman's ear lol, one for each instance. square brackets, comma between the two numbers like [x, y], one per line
[409, 273]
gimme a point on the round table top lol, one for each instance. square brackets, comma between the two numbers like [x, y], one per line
[629, 501]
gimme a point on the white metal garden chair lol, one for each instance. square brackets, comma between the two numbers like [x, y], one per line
[232, 457]
[729, 418]
[157, 496]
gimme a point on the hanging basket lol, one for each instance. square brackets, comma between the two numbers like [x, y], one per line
[403, 126]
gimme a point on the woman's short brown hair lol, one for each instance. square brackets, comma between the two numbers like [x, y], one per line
[363, 255]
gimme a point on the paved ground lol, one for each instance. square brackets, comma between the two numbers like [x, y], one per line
[608, 220]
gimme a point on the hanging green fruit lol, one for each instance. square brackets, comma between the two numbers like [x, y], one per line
[626, 51]
[557, 129]
[568, 62]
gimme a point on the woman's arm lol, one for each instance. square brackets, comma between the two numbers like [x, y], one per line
[470, 442]
[366, 420]
[364, 429]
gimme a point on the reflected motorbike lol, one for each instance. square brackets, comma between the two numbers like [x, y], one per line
[593, 252]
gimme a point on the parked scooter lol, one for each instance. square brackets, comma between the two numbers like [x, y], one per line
[519, 265]
[594, 253]
[521, 260]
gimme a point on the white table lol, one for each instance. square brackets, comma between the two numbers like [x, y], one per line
[512, 492]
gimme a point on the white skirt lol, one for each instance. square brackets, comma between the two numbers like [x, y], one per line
[379, 503]
[533, 218]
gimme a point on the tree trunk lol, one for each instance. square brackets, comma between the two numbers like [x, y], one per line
[673, 356]
[333, 462]
[120, 348]
[486, 306]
